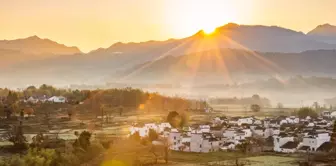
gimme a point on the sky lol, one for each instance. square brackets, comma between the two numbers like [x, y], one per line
[90, 24]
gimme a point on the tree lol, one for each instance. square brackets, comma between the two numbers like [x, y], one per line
[70, 113]
[152, 135]
[17, 138]
[38, 140]
[121, 109]
[12, 97]
[256, 97]
[243, 147]
[333, 137]
[135, 136]
[8, 111]
[177, 120]
[83, 141]
[41, 157]
[255, 107]
[280, 105]
[306, 111]
[172, 118]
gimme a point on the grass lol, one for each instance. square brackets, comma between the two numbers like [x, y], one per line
[189, 157]
[271, 161]
[230, 158]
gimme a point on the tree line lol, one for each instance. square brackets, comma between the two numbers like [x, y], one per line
[96, 100]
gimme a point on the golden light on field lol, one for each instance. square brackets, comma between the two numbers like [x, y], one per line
[142, 106]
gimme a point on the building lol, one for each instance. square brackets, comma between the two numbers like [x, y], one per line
[313, 141]
[57, 99]
[204, 143]
[289, 147]
[281, 140]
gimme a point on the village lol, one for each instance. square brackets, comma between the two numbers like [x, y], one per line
[195, 130]
[283, 134]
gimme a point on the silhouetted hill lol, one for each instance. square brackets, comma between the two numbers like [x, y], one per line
[234, 52]
[231, 64]
[36, 45]
[325, 33]
[252, 37]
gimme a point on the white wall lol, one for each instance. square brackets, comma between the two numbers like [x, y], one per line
[279, 141]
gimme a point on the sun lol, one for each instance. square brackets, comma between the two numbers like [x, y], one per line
[209, 30]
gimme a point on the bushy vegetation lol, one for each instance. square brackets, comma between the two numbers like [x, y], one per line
[38, 155]
[118, 100]
[177, 120]
[254, 100]
[306, 111]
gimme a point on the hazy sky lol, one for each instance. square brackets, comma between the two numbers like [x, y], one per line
[90, 24]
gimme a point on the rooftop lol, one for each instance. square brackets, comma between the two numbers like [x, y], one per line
[290, 145]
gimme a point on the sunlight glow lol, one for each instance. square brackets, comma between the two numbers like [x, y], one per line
[209, 30]
[188, 19]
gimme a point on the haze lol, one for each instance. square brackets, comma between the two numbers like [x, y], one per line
[90, 25]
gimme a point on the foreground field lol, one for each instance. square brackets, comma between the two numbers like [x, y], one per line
[272, 161]
[229, 158]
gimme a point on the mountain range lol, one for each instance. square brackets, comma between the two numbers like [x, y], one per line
[231, 52]
[325, 33]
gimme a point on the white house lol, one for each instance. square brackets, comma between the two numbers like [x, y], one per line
[333, 114]
[203, 143]
[163, 126]
[268, 132]
[257, 122]
[279, 141]
[274, 123]
[326, 114]
[228, 146]
[229, 133]
[204, 128]
[57, 99]
[289, 147]
[32, 99]
[143, 131]
[175, 140]
[283, 121]
[292, 120]
[217, 121]
[315, 141]
[248, 132]
[248, 120]
[151, 126]
[259, 131]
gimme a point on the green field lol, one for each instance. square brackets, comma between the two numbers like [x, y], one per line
[229, 158]
[271, 161]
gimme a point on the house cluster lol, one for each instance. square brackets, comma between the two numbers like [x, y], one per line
[44, 98]
[280, 134]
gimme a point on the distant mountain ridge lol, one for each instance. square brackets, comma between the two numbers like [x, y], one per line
[36, 45]
[253, 37]
[325, 33]
[323, 30]
[232, 51]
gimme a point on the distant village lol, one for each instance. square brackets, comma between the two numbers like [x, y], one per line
[284, 134]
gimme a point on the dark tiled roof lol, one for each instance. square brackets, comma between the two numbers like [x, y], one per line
[213, 139]
[282, 134]
[259, 128]
[223, 118]
[186, 143]
[325, 147]
[304, 148]
[228, 143]
[290, 145]
[216, 128]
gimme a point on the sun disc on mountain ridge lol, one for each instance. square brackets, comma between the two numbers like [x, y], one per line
[209, 30]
